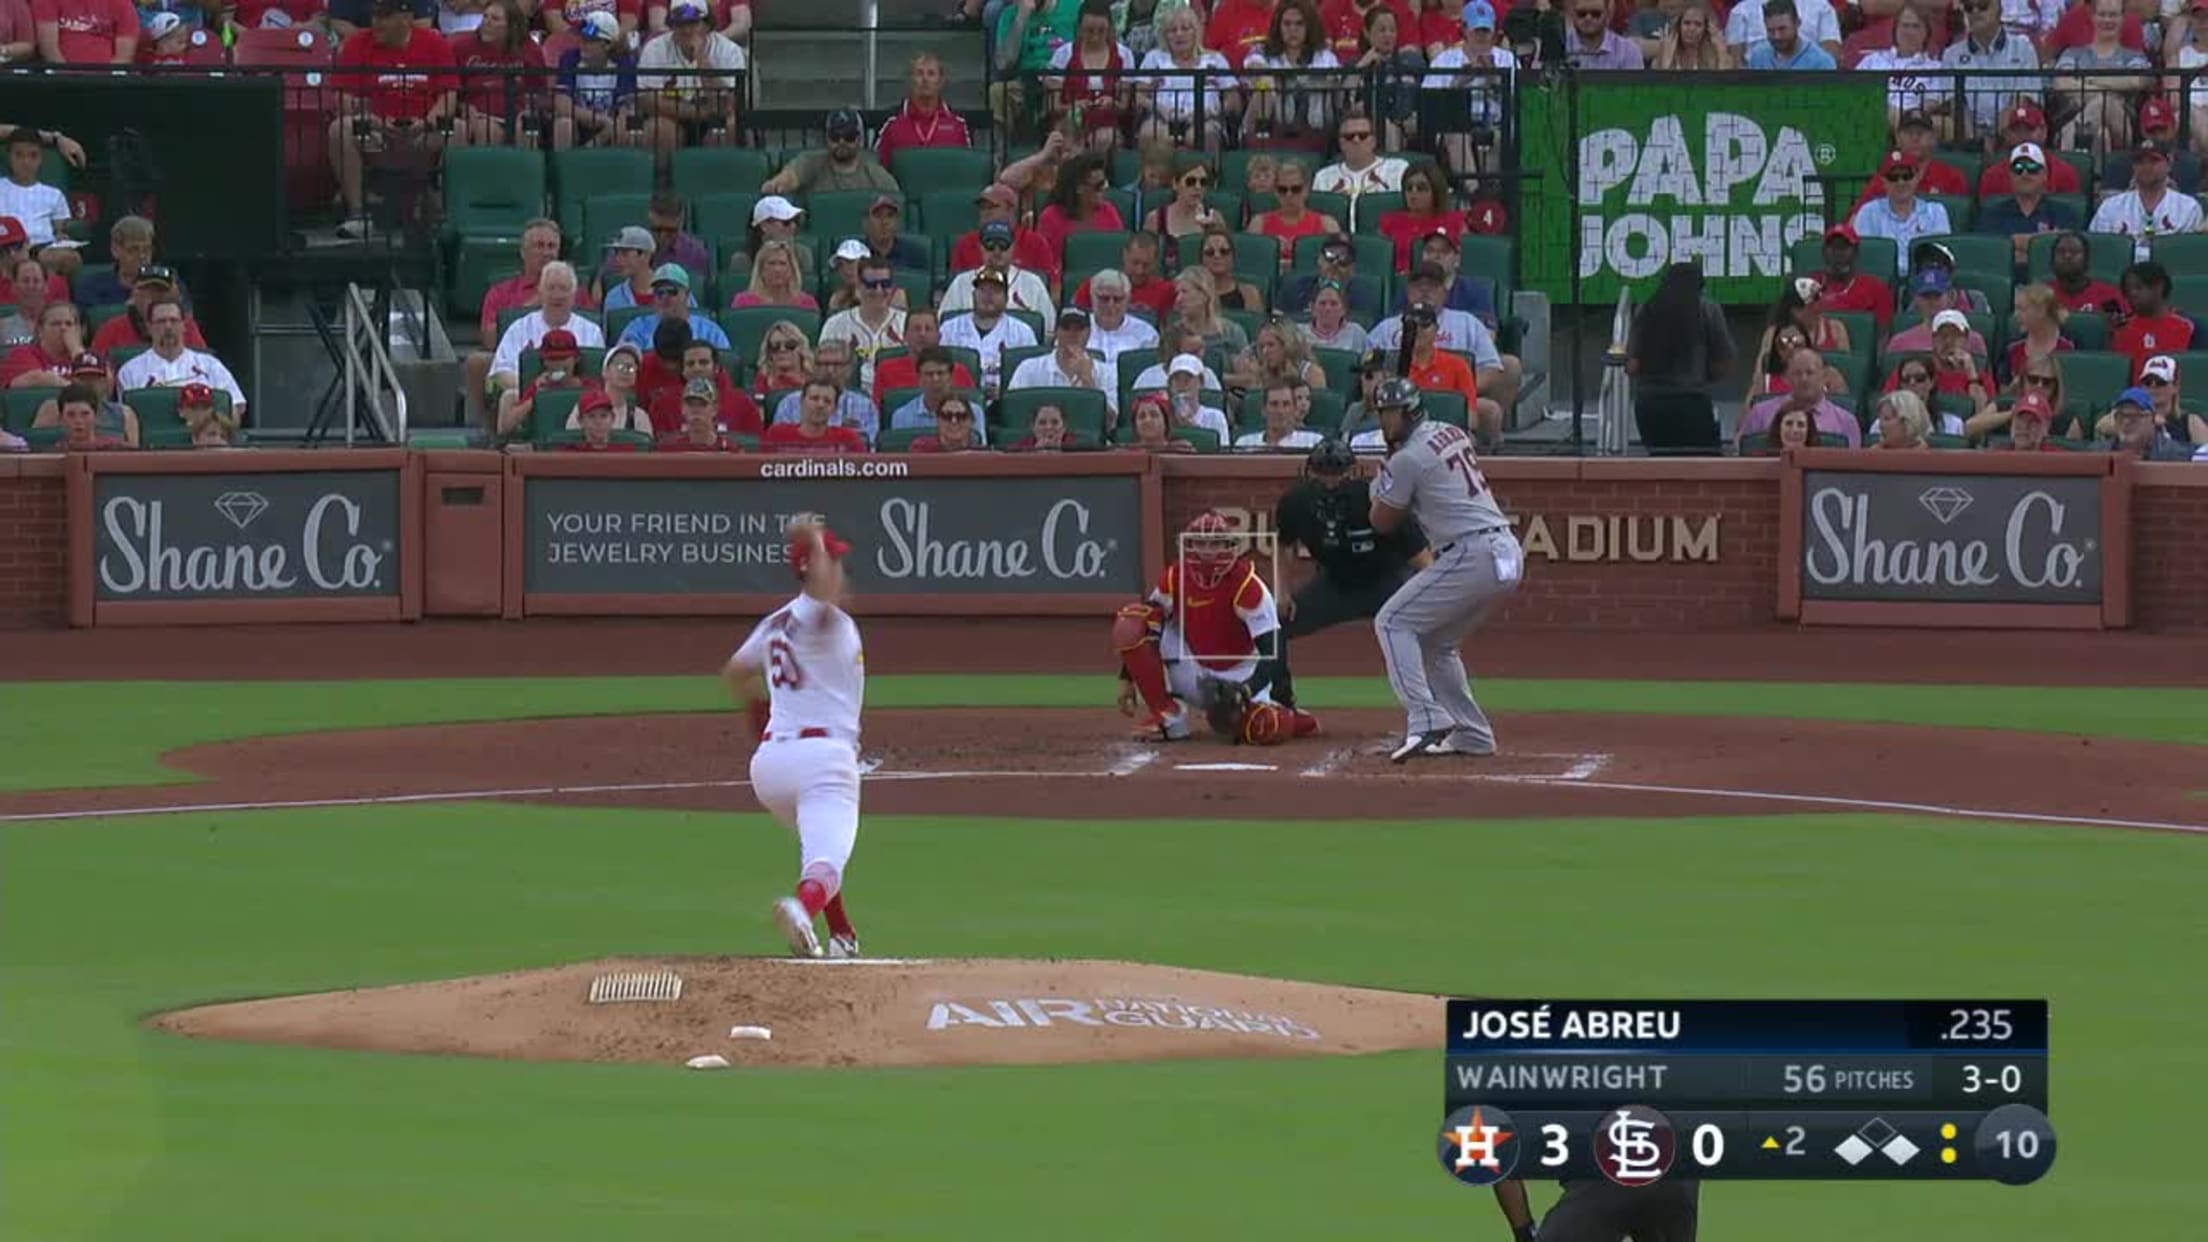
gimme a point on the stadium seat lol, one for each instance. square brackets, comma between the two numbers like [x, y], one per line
[1340, 366]
[1375, 256]
[96, 317]
[1229, 204]
[477, 264]
[121, 354]
[723, 219]
[1969, 163]
[1010, 358]
[2086, 329]
[2192, 368]
[1205, 440]
[747, 327]
[2190, 293]
[1496, 258]
[1998, 288]
[899, 439]
[1448, 407]
[1256, 257]
[947, 215]
[1123, 202]
[1980, 252]
[1085, 410]
[548, 416]
[942, 168]
[1372, 206]
[699, 171]
[2106, 256]
[492, 191]
[562, 438]
[834, 215]
[2091, 380]
[618, 321]
[1091, 251]
[603, 216]
[20, 406]
[2088, 174]
[1251, 322]
[586, 173]
[156, 407]
[918, 285]
[1034, 322]
[2182, 252]
[1962, 210]
[1878, 256]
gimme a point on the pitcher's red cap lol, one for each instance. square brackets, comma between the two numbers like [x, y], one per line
[801, 549]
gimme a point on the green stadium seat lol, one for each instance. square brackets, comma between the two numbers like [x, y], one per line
[478, 263]
[492, 191]
[2086, 329]
[1123, 202]
[1968, 163]
[43, 439]
[918, 285]
[2088, 172]
[1256, 257]
[944, 168]
[747, 327]
[1878, 256]
[1449, 407]
[1340, 366]
[1962, 209]
[1085, 409]
[2190, 293]
[1495, 258]
[1230, 206]
[1013, 355]
[2192, 368]
[584, 173]
[1999, 290]
[2106, 256]
[1034, 322]
[562, 438]
[2091, 379]
[2182, 253]
[156, 407]
[548, 415]
[1205, 440]
[1370, 208]
[837, 214]
[1091, 251]
[124, 353]
[1980, 252]
[603, 216]
[723, 220]
[1251, 322]
[96, 317]
[899, 439]
[699, 171]
[1335, 205]
[1943, 440]
[948, 215]
[20, 406]
[618, 321]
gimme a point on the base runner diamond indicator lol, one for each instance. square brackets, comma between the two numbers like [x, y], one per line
[1479, 1145]
[1635, 1145]
[1900, 1150]
[1853, 1150]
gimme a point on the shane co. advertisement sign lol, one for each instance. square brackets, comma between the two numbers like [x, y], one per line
[1971, 538]
[320, 534]
[1077, 535]
[1725, 174]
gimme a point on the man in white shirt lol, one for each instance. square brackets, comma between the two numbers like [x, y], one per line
[556, 291]
[2150, 208]
[1284, 429]
[1900, 215]
[1070, 365]
[1113, 331]
[1362, 170]
[1024, 289]
[693, 108]
[874, 324]
[1744, 28]
[40, 208]
[170, 364]
[988, 331]
[1460, 332]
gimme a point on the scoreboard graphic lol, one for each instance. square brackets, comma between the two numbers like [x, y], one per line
[1639, 1091]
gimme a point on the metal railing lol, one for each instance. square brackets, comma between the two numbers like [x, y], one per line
[369, 371]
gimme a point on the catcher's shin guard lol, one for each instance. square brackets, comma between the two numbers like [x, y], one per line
[1135, 635]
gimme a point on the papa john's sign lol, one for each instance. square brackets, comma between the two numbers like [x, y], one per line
[1954, 539]
[164, 538]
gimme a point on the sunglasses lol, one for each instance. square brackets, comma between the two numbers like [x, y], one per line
[1590, 13]
[2154, 381]
[1218, 252]
[955, 412]
[996, 245]
[1196, 180]
[884, 283]
[1916, 377]
[2039, 381]
[1291, 189]
[1901, 174]
[780, 347]
[1357, 135]
[2026, 166]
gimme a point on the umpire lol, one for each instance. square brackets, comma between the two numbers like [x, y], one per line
[1595, 1210]
[1328, 514]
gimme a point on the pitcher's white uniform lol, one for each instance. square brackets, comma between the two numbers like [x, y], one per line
[806, 770]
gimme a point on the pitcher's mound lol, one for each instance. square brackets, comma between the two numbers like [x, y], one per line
[872, 1011]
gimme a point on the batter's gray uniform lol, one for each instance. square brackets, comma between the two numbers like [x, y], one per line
[1435, 476]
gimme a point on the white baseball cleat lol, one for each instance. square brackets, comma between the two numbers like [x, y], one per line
[1419, 744]
[841, 947]
[797, 927]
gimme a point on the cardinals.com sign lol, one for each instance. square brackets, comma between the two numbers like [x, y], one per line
[311, 535]
[1726, 174]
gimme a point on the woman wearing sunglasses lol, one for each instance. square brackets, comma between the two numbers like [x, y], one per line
[1216, 265]
[1919, 378]
[785, 362]
[2040, 376]
[1187, 213]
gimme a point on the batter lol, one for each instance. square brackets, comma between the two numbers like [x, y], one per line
[1432, 476]
[803, 675]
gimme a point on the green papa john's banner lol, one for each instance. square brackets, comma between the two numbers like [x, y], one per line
[1685, 169]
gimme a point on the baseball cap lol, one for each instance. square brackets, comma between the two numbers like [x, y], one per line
[155, 274]
[2027, 153]
[684, 12]
[1429, 273]
[2034, 404]
[1929, 281]
[1440, 235]
[996, 230]
[1931, 252]
[1375, 362]
[1073, 317]
[1844, 232]
[195, 395]
[2025, 113]
[775, 207]
[600, 27]
[1340, 243]
[634, 237]
[851, 251]
[2151, 149]
[989, 276]
[594, 399]
[701, 389]
[846, 123]
[1808, 289]
[558, 343]
[997, 195]
[2134, 396]
[1915, 118]
[2161, 367]
[888, 202]
[1185, 364]
[11, 233]
[1951, 319]
[162, 25]
[671, 274]
[1899, 159]
[393, 6]
[2156, 114]
[801, 549]
[88, 363]
[1479, 15]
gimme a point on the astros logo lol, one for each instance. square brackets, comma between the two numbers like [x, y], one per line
[1479, 1145]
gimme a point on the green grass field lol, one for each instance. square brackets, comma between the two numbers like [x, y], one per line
[108, 1130]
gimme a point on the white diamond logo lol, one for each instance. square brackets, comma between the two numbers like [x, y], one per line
[1944, 503]
[241, 507]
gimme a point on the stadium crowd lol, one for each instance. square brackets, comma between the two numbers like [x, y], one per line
[1215, 228]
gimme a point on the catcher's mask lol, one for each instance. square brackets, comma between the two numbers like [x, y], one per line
[1329, 463]
[1209, 548]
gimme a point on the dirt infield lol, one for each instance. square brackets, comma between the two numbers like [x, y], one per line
[830, 1013]
[1045, 764]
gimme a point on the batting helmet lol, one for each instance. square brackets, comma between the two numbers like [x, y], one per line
[1400, 395]
[1329, 457]
[1210, 545]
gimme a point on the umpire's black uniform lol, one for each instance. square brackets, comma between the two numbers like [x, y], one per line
[1597, 1210]
[1330, 515]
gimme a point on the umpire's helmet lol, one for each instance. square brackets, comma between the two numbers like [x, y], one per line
[1329, 457]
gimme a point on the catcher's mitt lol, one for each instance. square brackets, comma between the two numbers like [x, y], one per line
[1229, 703]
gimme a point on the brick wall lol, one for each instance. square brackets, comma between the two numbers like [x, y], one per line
[2169, 549]
[1596, 521]
[34, 548]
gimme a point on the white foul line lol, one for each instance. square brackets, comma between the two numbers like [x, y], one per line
[1134, 760]
[1588, 767]
[1870, 804]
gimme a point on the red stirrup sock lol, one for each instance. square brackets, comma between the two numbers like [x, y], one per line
[839, 922]
[813, 895]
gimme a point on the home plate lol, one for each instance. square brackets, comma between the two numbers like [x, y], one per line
[1225, 767]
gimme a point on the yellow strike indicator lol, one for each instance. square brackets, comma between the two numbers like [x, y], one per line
[1947, 1155]
[1770, 1144]
[1947, 1130]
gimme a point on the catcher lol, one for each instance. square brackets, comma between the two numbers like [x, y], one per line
[1357, 568]
[1206, 640]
